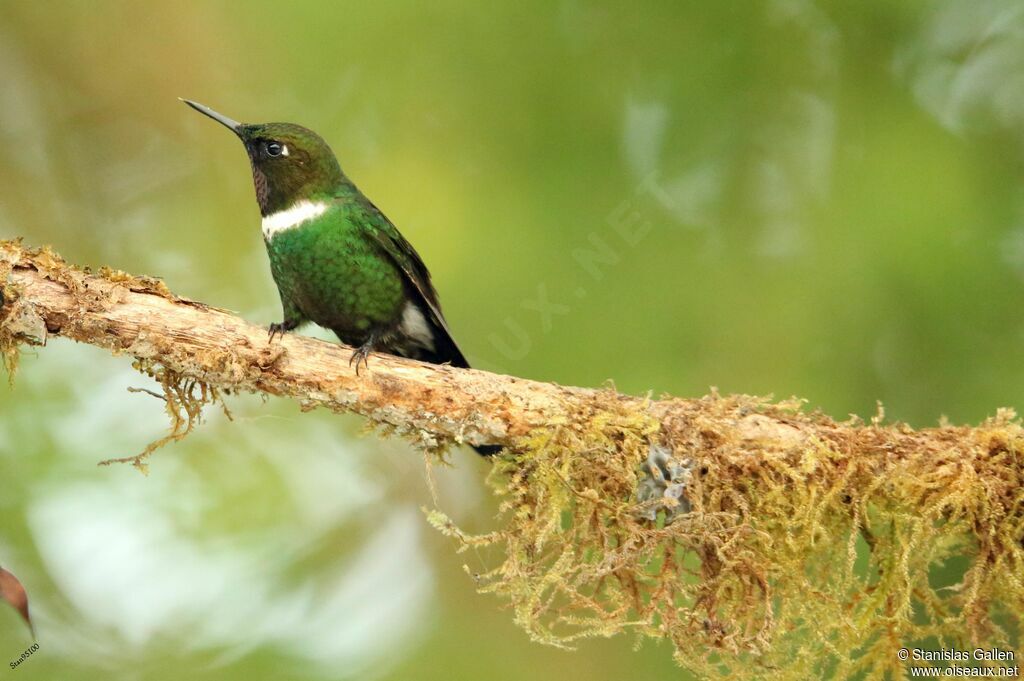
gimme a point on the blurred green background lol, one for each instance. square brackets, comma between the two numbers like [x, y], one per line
[789, 197]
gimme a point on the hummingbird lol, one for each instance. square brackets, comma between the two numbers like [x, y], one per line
[337, 260]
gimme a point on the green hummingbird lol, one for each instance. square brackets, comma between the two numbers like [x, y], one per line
[336, 259]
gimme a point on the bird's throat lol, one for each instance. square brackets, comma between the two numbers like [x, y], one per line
[294, 216]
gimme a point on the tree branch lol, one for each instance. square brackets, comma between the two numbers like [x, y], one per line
[139, 316]
[739, 528]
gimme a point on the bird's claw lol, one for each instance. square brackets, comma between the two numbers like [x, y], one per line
[276, 329]
[361, 354]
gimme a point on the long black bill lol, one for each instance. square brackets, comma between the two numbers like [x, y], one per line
[220, 118]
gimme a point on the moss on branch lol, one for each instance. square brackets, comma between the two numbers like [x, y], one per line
[759, 539]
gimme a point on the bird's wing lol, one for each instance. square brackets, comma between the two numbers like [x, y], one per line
[401, 252]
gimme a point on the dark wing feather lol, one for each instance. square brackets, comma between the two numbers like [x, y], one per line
[401, 252]
[408, 260]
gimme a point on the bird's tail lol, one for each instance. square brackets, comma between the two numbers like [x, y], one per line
[445, 351]
[449, 353]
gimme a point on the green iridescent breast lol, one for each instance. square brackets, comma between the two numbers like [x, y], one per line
[331, 268]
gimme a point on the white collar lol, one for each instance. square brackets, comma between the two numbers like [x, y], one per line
[293, 216]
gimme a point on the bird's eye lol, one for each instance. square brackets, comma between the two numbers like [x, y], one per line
[274, 148]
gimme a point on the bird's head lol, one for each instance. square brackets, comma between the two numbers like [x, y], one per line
[289, 162]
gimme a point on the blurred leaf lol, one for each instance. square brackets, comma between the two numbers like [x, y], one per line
[14, 593]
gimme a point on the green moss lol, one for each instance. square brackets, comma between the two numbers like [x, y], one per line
[796, 559]
[184, 400]
[8, 295]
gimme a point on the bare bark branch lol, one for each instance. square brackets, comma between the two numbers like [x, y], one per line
[140, 317]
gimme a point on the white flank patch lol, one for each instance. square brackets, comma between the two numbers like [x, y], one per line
[301, 212]
[414, 325]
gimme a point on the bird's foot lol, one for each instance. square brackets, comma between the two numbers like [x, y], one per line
[361, 354]
[280, 329]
